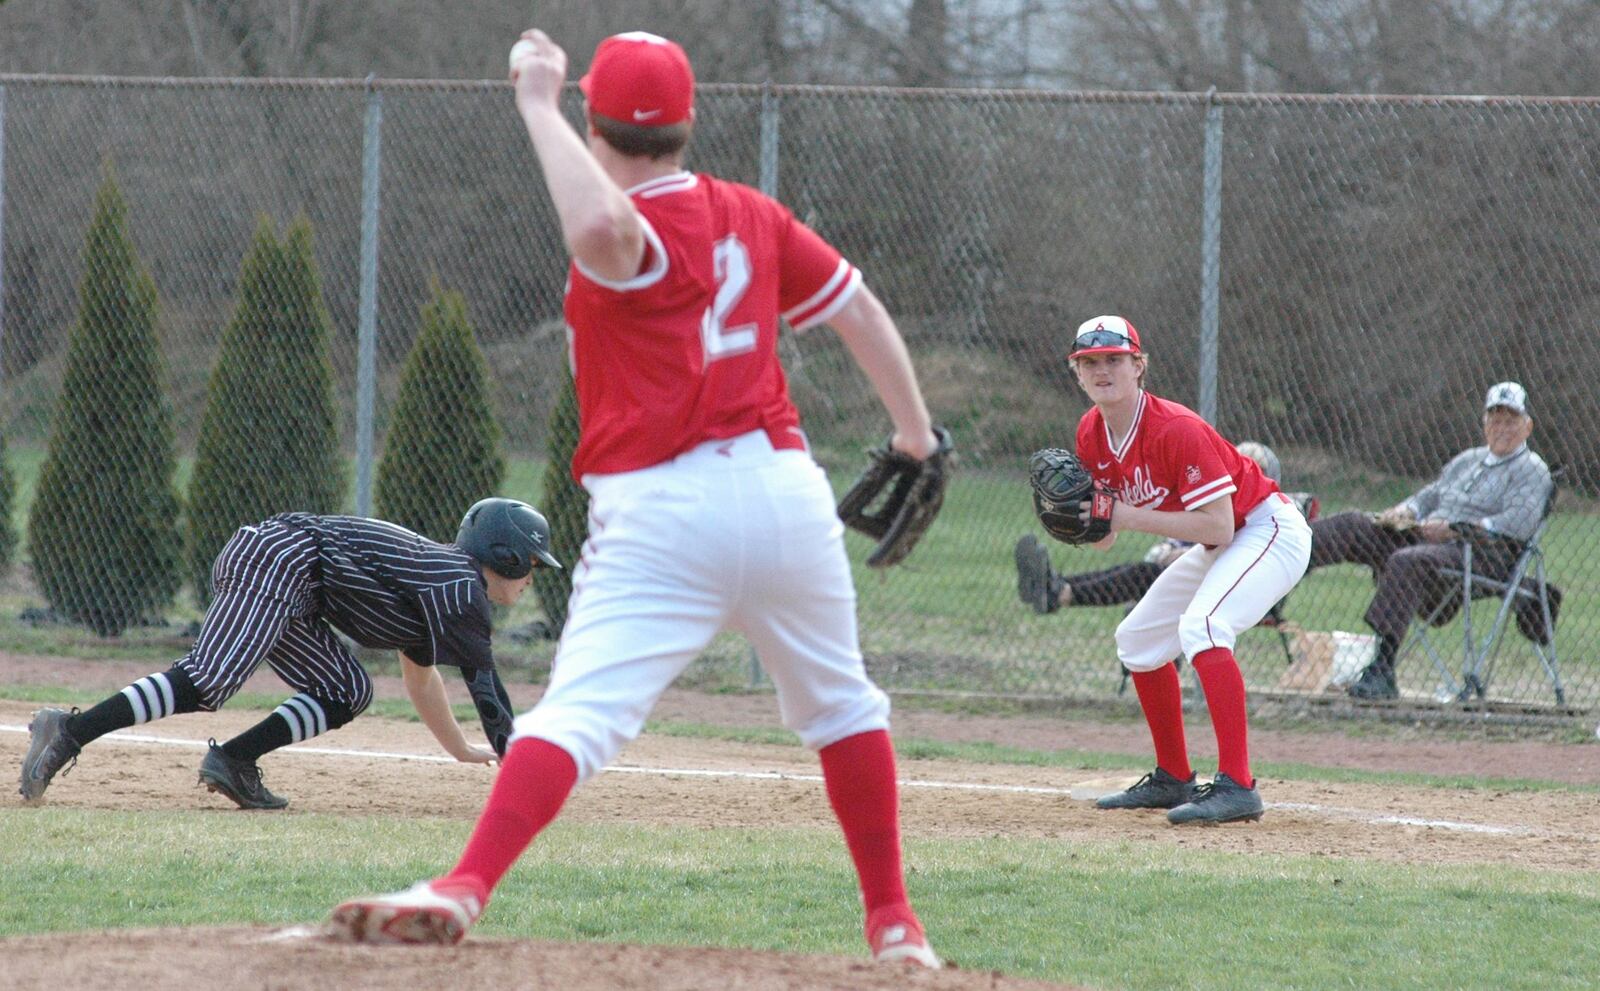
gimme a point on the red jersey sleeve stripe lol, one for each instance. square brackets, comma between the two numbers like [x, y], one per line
[655, 255]
[1208, 493]
[828, 300]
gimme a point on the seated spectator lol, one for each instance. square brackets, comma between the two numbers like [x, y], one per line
[1040, 586]
[1492, 495]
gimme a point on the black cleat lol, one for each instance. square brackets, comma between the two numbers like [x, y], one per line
[1156, 790]
[1223, 800]
[50, 748]
[1376, 682]
[1037, 585]
[239, 780]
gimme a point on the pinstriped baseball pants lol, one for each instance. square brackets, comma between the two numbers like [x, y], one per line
[264, 608]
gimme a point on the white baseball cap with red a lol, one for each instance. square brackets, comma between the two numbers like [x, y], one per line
[1105, 335]
[640, 78]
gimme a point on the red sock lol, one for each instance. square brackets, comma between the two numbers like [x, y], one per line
[860, 777]
[1224, 684]
[534, 780]
[1161, 698]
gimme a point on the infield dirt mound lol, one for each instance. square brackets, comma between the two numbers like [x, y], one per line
[229, 959]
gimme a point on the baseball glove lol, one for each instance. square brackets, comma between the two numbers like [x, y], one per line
[1060, 484]
[913, 500]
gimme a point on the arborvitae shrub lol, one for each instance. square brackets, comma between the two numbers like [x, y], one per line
[103, 528]
[565, 505]
[8, 496]
[442, 451]
[268, 440]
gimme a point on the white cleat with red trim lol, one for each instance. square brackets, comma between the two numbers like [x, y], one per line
[898, 938]
[423, 913]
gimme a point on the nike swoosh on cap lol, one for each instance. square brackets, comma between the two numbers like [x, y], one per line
[646, 114]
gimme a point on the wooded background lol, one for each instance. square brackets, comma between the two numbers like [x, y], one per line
[1523, 47]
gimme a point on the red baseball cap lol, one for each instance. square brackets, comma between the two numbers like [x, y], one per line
[1105, 335]
[640, 78]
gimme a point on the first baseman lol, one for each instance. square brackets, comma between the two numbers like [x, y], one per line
[1173, 475]
[707, 510]
[282, 587]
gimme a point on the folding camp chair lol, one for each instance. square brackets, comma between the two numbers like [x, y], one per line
[1526, 586]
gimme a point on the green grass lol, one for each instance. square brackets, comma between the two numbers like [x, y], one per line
[524, 480]
[1105, 914]
[948, 619]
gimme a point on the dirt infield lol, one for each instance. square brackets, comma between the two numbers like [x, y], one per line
[662, 780]
[230, 959]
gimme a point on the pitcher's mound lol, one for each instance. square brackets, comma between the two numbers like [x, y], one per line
[201, 959]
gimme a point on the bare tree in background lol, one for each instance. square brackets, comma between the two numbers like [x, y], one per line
[1518, 47]
[1524, 47]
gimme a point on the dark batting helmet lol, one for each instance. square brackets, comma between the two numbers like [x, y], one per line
[506, 536]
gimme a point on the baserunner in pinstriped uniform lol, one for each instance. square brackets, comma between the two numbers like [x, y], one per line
[282, 587]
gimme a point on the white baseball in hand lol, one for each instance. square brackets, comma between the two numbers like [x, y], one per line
[521, 50]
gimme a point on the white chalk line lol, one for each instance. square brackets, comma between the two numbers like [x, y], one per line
[1329, 811]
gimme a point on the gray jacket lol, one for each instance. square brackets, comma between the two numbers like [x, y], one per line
[1505, 496]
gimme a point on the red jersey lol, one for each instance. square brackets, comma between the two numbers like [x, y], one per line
[686, 350]
[1171, 460]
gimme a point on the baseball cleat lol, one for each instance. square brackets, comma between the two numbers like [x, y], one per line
[1223, 800]
[421, 914]
[238, 780]
[1377, 682]
[1037, 585]
[1156, 790]
[896, 936]
[50, 748]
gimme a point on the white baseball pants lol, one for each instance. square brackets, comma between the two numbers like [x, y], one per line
[1206, 597]
[731, 535]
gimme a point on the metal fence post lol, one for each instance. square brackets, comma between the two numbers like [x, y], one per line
[367, 314]
[768, 182]
[2, 233]
[1210, 258]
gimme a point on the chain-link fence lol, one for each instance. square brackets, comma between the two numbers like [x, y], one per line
[1341, 278]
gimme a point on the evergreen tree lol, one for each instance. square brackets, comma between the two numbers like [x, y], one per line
[103, 529]
[442, 452]
[268, 438]
[8, 495]
[565, 505]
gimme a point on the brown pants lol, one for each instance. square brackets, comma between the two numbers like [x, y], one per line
[1406, 571]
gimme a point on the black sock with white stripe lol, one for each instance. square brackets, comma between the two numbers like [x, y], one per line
[152, 697]
[299, 718]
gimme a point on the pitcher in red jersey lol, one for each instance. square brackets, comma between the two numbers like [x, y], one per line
[707, 511]
[1173, 475]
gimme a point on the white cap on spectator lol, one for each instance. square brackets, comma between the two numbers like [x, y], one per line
[1508, 394]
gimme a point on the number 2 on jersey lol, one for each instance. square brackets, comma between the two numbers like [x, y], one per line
[731, 266]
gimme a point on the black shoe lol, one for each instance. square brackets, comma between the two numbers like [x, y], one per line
[1156, 790]
[1471, 685]
[1376, 682]
[1037, 585]
[1223, 800]
[50, 748]
[239, 780]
